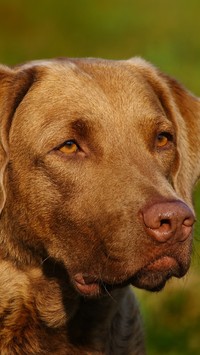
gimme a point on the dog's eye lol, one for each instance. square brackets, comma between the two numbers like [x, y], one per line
[69, 147]
[163, 139]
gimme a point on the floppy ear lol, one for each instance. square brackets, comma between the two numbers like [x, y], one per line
[183, 109]
[186, 109]
[14, 85]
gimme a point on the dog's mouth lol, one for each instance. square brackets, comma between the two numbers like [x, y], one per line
[151, 277]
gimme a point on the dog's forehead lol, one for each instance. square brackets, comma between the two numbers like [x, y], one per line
[98, 86]
[115, 80]
[94, 91]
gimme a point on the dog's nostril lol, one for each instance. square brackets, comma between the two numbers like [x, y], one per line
[165, 225]
[188, 222]
[165, 222]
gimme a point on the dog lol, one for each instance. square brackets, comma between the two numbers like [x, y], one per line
[98, 161]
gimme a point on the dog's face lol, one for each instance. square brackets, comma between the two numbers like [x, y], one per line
[87, 148]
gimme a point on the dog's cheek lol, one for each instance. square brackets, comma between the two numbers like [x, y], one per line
[74, 232]
[30, 199]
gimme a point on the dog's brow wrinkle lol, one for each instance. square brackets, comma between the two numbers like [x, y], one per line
[80, 127]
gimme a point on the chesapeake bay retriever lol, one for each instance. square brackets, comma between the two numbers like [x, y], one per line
[98, 162]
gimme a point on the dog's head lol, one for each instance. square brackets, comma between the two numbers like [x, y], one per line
[98, 163]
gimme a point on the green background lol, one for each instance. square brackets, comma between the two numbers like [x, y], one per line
[166, 33]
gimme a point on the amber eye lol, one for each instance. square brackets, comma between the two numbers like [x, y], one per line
[163, 139]
[69, 147]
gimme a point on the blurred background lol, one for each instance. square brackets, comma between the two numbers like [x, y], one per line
[166, 33]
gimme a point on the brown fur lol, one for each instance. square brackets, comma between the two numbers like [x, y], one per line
[80, 215]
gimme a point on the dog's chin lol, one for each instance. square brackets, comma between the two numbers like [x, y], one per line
[152, 277]
[151, 281]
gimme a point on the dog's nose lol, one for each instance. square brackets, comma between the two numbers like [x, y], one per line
[168, 221]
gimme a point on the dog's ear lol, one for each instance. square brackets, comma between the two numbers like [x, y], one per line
[185, 111]
[14, 85]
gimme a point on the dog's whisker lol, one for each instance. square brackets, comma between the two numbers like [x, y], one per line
[43, 261]
[108, 293]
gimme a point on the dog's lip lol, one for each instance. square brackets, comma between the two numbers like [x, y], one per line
[87, 285]
[163, 263]
[161, 269]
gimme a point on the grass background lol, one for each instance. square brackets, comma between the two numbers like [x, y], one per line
[165, 33]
